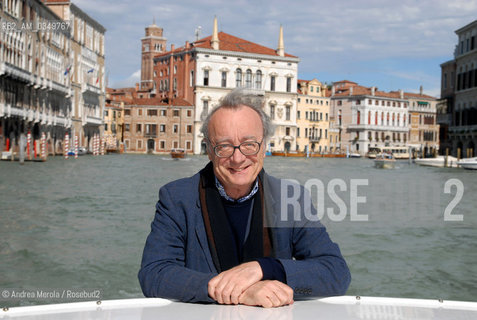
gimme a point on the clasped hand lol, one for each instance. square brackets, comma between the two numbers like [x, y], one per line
[243, 284]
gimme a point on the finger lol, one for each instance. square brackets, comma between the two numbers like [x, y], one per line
[215, 287]
[281, 295]
[235, 295]
[273, 300]
[226, 291]
[211, 289]
[286, 293]
[215, 280]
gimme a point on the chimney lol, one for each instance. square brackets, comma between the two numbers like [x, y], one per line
[137, 86]
[332, 90]
[373, 90]
[281, 46]
[420, 90]
[187, 45]
[350, 91]
[215, 36]
[401, 94]
[172, 47]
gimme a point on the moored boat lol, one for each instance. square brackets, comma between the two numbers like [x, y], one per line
[295, 154]
[278, 153]
[468, 163]
[81, 151]
[316, 155]
[334, 155]
[354, 155]
[439, 162]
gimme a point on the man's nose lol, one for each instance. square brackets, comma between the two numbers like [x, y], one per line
[237, 156]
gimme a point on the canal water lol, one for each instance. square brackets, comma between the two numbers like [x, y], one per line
[407, 232]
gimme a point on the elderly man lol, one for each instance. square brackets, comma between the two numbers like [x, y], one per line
[219, 236]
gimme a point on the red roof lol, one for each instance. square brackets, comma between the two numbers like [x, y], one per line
[157, 101]
[228, 42]
[417, 95]
[365, 91]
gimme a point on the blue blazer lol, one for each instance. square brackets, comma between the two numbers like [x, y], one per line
[177, 263]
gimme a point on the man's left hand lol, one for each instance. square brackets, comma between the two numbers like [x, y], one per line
[227, 286]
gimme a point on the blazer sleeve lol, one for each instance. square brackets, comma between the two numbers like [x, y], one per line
[163, 272]
[317, 269]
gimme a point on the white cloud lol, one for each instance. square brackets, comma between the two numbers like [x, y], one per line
[130, 81]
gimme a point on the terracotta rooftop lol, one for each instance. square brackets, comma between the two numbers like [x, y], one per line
[365, 91]
[417, 95]
[157, 101]
[228, 42]
[346, 81]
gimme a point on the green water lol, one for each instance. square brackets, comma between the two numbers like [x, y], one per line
[82, 223]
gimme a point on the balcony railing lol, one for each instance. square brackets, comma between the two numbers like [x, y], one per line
[150, 135]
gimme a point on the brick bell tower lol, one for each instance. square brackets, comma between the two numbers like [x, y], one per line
[151, 45]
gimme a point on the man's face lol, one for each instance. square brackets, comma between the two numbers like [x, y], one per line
[238, 172]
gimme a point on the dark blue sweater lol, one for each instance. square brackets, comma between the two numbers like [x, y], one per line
[239, 215]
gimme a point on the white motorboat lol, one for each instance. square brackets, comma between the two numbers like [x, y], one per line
[354, 155]
[439, 161]
[468, 163]
[384, 161]
[81, 151]
[344, 308]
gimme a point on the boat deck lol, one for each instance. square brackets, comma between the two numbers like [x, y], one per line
[345, 307]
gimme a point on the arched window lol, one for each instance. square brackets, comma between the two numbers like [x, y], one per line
[248, 78]
[258, 80]
[238, 78]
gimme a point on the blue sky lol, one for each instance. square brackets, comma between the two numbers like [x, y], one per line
[389, 44]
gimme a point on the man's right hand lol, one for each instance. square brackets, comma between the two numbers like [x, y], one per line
[267, 294]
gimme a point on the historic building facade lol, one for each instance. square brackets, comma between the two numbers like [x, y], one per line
[85, 69]
[113, 121]
[35, 96]
[313, 123]
[152, 126]
[204, 71]
[459, 92]
[51, 78]
[423, 127]
[366, 117]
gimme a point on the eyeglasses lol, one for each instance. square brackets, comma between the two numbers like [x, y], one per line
[248, 148]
